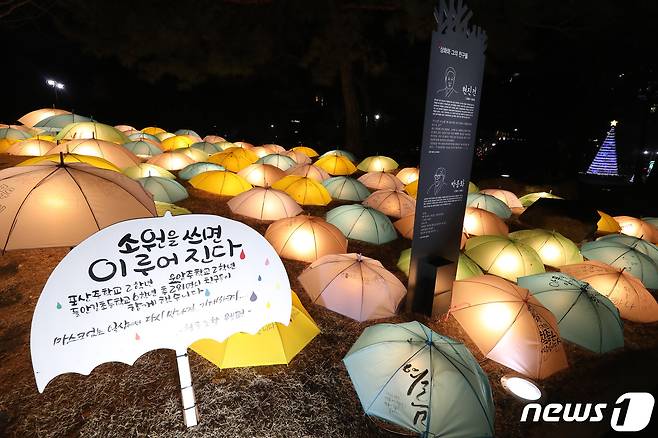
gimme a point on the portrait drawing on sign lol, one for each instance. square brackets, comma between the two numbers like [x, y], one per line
[449, 81]
[439, 182]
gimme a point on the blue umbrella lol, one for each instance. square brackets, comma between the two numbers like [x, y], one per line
[489, 203]
[645, 247]
[143, 136]
[362, 223]
[345, 188]
[61, 120]
[192, 170]
[341, 153]
[164, 189]
[623, 257]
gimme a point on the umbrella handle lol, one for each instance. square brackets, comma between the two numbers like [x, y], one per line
[190, 412]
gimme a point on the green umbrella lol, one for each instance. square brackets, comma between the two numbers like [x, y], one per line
[283, 162]
[187, 132]
[345, 188]
[143, 136]
[504, 257]
[142, 148]
[623, 257]
[164, 189]
[423, 381]
[13, 134]
[404, 261]
[192, 170]
[489, 203]
[553, 248]
[98, 131]
[645, 247]
[472, 188]
[207, 147]
[61, 120]
[584, 316]
[341, 153]
[466, 268]
[530, 198]
[362, 223]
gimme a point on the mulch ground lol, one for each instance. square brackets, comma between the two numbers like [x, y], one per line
[310, 397]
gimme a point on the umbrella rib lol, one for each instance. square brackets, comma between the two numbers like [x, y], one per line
[285, 242]
[362, 290]
[262, 207]
[85, 197]
[332, 280]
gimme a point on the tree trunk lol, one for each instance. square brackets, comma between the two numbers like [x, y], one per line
[353, 140]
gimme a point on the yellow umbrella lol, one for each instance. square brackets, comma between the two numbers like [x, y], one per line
[309, 171]
[264, 204]
[31, 148]
[220, 182]
[305, 238]
[412, 188]
[607, 224]
[176, 142]
[309, 152]
[153, 130]
[175, 210]
[112, 152]
[144, 170]
[171, 160]
[92, 130]
[71, 158]
[335, 165]
[394, 203]
[261, 175]
[273, 344]
[408, 175]
[306, 191]
[378, 163]
[32, 118]
[381, 180]
[234, 159]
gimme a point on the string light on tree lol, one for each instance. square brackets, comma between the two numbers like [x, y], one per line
[605, 161]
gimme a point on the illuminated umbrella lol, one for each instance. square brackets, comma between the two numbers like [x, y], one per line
[153, 130]
[405, 226]
[175, 210]
[187, 132]
[629, 295]
[423, 381]
[91, 130]
[145, 169]
[394, 203]
[214, 139]
[234, 159]
[641, 245]
[466, 268]
[353, 285]
[33, 117]
[195, 154]
[192, 170]
[309, 152]
[489, 203]
[273, 344]
[553, 248]
[59, 121]
[584, 316]
[260, 151]
[31, 148]
[404, 261]
[623, 257]
[125, 128]
[340, 153]
[309, 171]
[171, 160]
[70, 159]
[164, 189]
[23, 128]
[306, 191]
[227, 145]
[305, 238]
[265, 204]
[362, 223]
[112, 152]
[607, 224]
[207, 147]
[176, 142]
[506, 196]
[344, 188]
[243, 145]
[504, 257]
[162, 136]
[408, 175]
[635, 227]
[412, 189]
[221, 183]
[651, 220]
[336, 165]
[381, 180]
[262, 175]
[530, 198]
[509, 325]
[378, 163]
[283, 162]
[274, 148]
[143, 148]
[472, 188]
[298, 157]
[144, 136]
[54, 205]
[479, 222]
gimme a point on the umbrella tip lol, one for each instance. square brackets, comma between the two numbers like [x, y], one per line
[359, 257]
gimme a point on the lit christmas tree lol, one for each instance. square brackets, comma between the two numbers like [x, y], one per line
[605, 161]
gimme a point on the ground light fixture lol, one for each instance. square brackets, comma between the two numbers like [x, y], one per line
[520, 387]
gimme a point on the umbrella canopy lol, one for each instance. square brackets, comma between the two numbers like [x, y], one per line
[176, 142]
[405, 226]
[264, 204]
[195, 154]
[144, 136]
[143, 148]
[306, 191]
[112, 152]
[10, 133]
[340, 153]
[584, 316]
[243, 145]
[175, 210]
[412, 189]
[69, 159]
[260, 151]
[336, 165]
[344, 188]
[145, 169]
[214, 139]
[273, 344]
[607, 224]
[283, 162]
[305, 238]
[234, 159]
[91, 130]
[624, 257]
[55, 205]
[506, 196]
[416, 378]
[489, 203]
[164, 189]
[408, 175]
[629, 295]
[635, 227]
[298, 157]
[394, 203]
[224, 145]
[33, 117]
[274, 148]
[59, 121]
[262, 175]
[509, 325]
[362, 223]
[207, 147]
[309, 171]
[220, 182]
[31, 148]
[479, 222]
[353, 285]
[504, 257]
[651, 220]
[530, 198]
[153, 130]
[381, 180]
[192, 170]
[125, 128]
[171, 160]
[553, 248]
[309, 152]
[466, 268]
[646, 248]
[187, 132]
[404, 261]
[378, 163]
[162, 136]
[472, 188]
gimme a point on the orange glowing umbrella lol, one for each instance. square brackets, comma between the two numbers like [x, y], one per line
[274, 148]
[126, 128]
[381, 180]
[635, 227]
[394, 203]
[112, 152]
[171, 160]
[305, 238]
[261, 175]
[309, 171]
[299, 157]
[195, 154]
[31, 148]
[479, 222]
[509, 325]
[214, 139]
[265, 204]
[408, 175]
[405, 226]
[506, 196]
